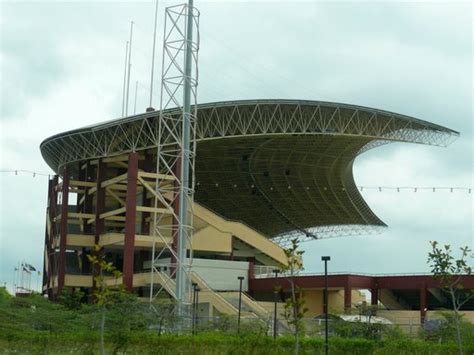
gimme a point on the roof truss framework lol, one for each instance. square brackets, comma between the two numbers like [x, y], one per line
[316, 142]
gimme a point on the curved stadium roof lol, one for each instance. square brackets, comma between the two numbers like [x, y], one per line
[280, 166]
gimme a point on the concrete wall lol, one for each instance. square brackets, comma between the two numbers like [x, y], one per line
[315, 298]
[220, 275]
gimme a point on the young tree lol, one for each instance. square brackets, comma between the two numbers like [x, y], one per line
[449, 272]
[294, 306]
[104, 295]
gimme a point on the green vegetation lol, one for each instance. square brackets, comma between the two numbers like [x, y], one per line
[447, 269]
[294, 305]
[105, 296]
[36, 325]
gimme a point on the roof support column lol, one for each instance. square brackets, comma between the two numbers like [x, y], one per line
[47, 237]
[87, 207]
[347, 296]
[88, 203]
[53, 204]
[130, 219]
[251, 261]
[80, 177]
[63, 230]
[374, 296]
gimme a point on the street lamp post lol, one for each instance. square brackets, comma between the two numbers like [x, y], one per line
[241, 278]
[197, 289]
[276, 272]
[194, 285]
[326, 259]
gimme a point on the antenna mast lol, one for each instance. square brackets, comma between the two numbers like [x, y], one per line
[129, 67]
[150, 107]
[124, 79]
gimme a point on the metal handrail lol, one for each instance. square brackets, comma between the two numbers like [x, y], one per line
[351, 273]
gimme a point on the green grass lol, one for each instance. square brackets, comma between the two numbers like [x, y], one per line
[34, 325]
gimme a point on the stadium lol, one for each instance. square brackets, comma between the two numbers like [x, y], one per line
[265, 171]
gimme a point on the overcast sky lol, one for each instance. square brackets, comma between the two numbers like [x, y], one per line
[62, 68]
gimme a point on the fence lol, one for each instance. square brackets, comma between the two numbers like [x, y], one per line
[311, 327]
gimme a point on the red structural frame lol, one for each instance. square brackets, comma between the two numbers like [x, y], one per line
[63, 229]
[349, 282]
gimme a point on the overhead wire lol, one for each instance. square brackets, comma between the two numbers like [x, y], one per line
[359, 187]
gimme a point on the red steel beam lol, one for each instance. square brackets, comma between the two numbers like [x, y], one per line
[130, 219]
[63, 230]
[88, 199]
[374, 296]
[348, 296]
[307, 282]
[51, 256]
[407, 282]
[47, 247]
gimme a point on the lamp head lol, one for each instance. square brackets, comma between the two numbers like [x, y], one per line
[241, 278]
[325, 258]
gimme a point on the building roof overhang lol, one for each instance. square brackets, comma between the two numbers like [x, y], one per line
[280, 166]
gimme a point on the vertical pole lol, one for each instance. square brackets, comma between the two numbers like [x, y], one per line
[130, 218]
[129, 67]
[176, 210]
[21, 276]
[153, 55]
[63, 230]
[124, 80]
[326, 317]
[185, 161]
[194, 308]
[240, 303]
[275, 298]
[326, 305]
[135, 103]
[197, 305]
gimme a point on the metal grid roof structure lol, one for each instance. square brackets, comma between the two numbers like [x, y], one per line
[284, 167]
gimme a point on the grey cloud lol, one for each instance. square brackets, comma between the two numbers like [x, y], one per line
[414, 59]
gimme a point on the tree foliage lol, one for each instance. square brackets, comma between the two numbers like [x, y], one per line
[449, 271]
[294, 310]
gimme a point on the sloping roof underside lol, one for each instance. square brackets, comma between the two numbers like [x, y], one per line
[279, 166]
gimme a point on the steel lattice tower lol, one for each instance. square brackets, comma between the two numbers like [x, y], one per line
[176, 150]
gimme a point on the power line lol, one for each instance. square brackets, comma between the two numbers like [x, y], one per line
[30, 172]
[328, 188]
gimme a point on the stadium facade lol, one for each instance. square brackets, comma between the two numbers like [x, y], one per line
[265, 171]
